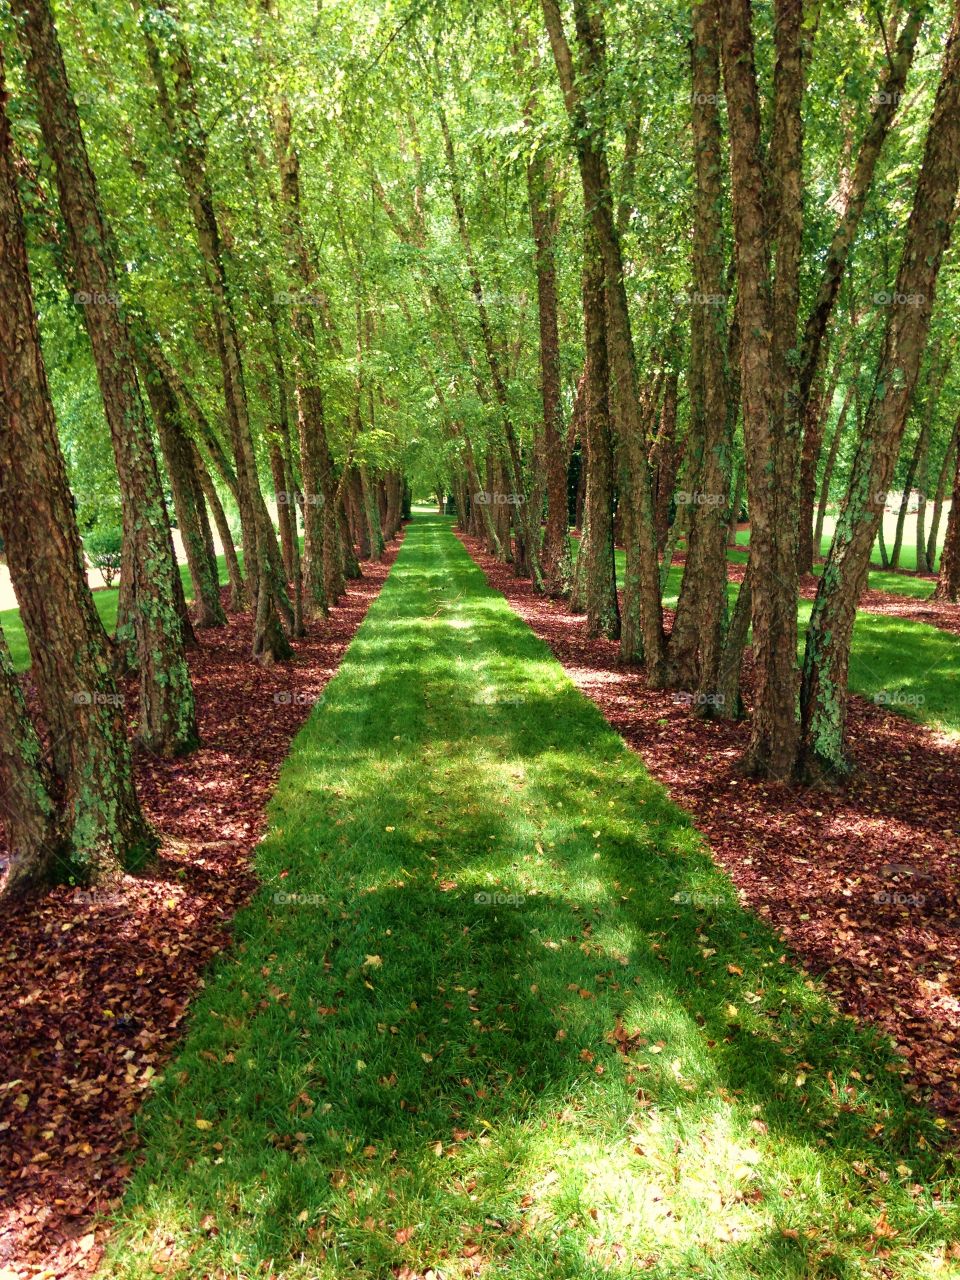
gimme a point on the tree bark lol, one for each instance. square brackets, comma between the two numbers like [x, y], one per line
[768, 225]
[596, 563]
[27, 812]
[694, 650]
[555, 551]
[942, 478]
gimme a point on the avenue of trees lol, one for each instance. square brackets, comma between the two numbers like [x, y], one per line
[269, 267]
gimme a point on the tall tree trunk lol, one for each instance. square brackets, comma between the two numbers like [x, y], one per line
[905, 498]
[186, 488]
[526, 559]
[827, 655]
[555, 552]
[323, 555]
[768, 226]
[830, 463]
[168, 722]
[948, 579]
[596, 563]
[942, 478]
[224, 532]
[182, 120]
[82, 709]
[27, 812]
[642, 623]
[284, 499]
[695, 642]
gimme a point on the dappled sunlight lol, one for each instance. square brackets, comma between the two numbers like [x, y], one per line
[494, 1003]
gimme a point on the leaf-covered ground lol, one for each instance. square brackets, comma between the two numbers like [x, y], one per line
[95, 986]
[496, 1011]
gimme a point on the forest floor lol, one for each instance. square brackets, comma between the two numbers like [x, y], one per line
[497, 1011]
[96, 985]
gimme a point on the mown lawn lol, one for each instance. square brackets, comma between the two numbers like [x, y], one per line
[495, 1011]
[106, 602]
[910, 667]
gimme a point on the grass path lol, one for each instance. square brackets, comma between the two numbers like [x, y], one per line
[496, 1012]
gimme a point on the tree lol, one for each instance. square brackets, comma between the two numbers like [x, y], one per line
[827, 653]
[168, 722]
[90, 757]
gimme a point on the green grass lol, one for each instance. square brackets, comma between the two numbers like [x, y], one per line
[393, 1070]
[899, 584]
[105, 600]
[908, 666]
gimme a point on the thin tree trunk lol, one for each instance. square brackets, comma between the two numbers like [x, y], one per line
[642, 623]
[948, 579]
[942, 479]
[224, 532]
[555, 552]
[181, 117]
[596, 564]
[830, 463]
[185, 486]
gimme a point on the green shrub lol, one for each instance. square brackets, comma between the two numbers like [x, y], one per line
[103, 546]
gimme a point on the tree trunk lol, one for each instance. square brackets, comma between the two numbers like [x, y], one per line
[830, 463]
[224, 533]
[694, 650]
[642, 623]
[82, 709]
[948, 579]
[905, 499]
[168, 722]
[596, 564]
[826, 659]
[768, 225]
[942, 479]
[182, 120]
[27, 811]
[186, 487]
[555, 551]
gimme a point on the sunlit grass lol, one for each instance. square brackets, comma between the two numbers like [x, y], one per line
[496, 1012]
[909, 667]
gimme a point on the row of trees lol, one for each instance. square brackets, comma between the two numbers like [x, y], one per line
[286, 263]
[67, 797]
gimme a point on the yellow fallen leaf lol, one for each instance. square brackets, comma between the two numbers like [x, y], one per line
[203, 1124]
